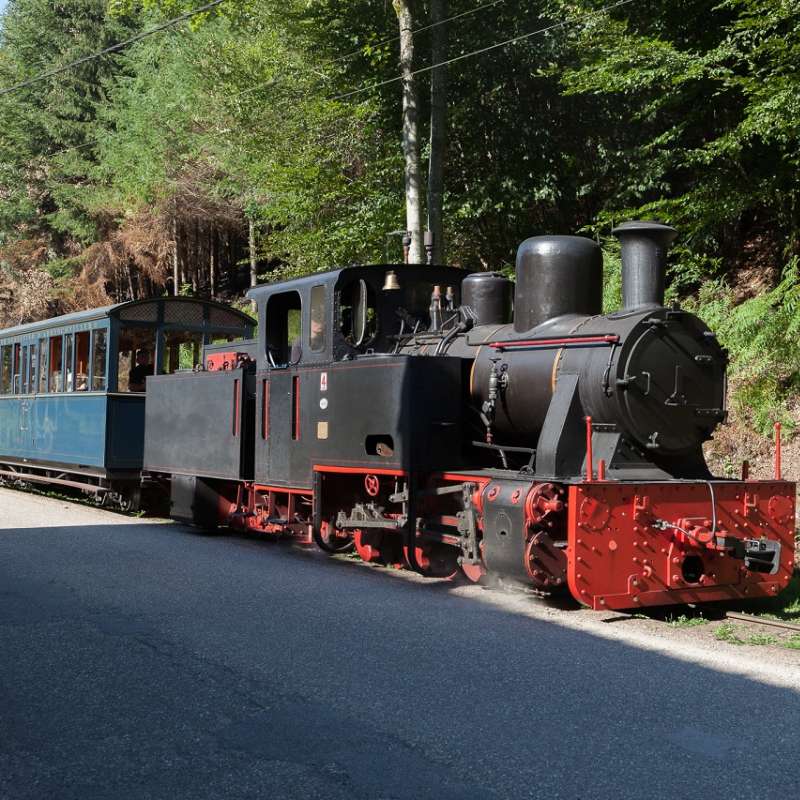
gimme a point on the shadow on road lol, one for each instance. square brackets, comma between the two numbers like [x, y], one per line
[141, 660]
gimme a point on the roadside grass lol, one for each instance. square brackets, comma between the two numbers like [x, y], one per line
[786, 606]
[735, 634]
[686, 621]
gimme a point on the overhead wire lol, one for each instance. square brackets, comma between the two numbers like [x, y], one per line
[359, 90]
[382, 42]
[334, 60]
[481, 50]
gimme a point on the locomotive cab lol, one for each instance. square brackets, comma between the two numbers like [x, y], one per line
[341, 314]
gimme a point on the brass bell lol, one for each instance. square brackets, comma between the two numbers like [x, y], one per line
[391, 283]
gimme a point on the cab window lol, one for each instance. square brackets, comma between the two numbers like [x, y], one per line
[316, 334]
[358, 317]
[283, 329]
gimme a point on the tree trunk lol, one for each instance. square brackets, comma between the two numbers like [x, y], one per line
[413, 177]
[251, 241]
[176, 276]
[212, 263]
[195, 267]
[439, 37]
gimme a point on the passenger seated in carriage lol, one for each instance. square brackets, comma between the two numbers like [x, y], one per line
[138, 374]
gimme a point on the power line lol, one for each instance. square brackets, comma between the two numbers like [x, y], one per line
[391, 39]
[481, 51]
[112, 49]
[383, 42]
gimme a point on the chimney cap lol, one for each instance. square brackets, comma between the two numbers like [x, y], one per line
[646, 226]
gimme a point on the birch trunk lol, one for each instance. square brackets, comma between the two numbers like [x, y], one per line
[212, 261]
[438, 123]
[413, 180]
[176, 277]
[251, 240]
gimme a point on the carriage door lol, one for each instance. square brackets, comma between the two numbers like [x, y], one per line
[24, 432]
[283, 330]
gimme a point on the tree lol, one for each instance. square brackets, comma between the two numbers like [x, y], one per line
[413, 170]
[438, 129]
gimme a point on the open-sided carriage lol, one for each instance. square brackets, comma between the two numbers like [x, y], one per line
[69, 412]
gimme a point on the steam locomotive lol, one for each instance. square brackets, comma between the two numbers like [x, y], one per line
[406, 411]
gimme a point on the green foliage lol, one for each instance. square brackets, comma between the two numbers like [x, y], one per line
[48, 129]
[685, 621]
[762, 336]
[785, 606]
[612, 277]
[686, 112]
[727, 632]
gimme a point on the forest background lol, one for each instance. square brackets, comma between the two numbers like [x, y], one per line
[272, 131]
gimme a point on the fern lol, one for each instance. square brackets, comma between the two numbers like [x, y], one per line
[762, 336]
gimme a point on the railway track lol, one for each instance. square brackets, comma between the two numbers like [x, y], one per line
[773, 623]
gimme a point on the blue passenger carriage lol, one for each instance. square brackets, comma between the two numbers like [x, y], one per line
[72, 388]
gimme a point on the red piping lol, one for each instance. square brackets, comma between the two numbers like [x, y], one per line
[236, 407]
[296, 408]
[589, 466]
[562, 342]
[265, 409]
[358, 470]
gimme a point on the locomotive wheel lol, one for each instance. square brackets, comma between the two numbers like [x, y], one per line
[544, 562]
[329, 539]
[475, 571]
[435, 560]
[376, 546]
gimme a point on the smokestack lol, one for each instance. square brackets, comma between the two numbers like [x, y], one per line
[644, 258]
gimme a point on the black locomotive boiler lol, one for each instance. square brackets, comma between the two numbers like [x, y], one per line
[406, 411]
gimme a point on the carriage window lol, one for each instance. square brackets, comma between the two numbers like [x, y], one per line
[358, 316]
[69, 364]
[32, 364]
[283, 329]
[181, 351]
[316, 336]
[135, 358]
[55, 382]
[42, 366]
[23, 370]
[17, 379]
[81, 361]
[98, 360]
[5, 369]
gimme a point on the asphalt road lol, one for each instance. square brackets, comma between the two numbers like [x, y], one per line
[139, 660]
